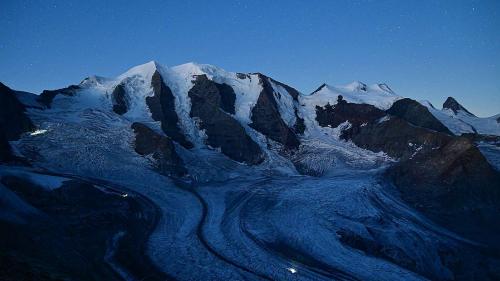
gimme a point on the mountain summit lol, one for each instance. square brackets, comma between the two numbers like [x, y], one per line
[453, 104]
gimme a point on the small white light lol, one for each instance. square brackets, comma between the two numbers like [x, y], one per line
[124, 195]
[292, 270]
[38, 132]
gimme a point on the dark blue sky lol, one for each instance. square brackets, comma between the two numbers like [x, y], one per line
[422, 49]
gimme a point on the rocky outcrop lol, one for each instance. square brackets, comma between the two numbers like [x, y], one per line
[396, 137]
[318, 89]
[453, 104]
[13, 121]
[222, 130]
[227, 97]
[356, 114]
[6, 154]
[162, 107]
[13, 118]
[119, 99]
[47, 96]
[300, 125]
[292, 91]
[267, 119]
[417, 114]
[160, 148]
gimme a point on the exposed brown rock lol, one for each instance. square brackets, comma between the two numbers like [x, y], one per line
[120, 100]
[356, 114]
[453, 104]
[162, 107]
[222, 130]
[417, 114]
[161, 148]
[47, 96]
[267, 119]
[13, 121]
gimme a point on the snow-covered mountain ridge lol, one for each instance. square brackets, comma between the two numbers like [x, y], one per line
[254, 180]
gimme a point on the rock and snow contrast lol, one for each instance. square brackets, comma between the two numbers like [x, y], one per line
[196, 173]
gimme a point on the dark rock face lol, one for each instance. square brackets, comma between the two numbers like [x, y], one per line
[13, 119]
[227, 97]
[6, 154]
[292, 91]
[222, 130]
[319, 88]
[417, 114]
[162, 149]
[242, 75]
[452, 104]
[267, 119]
[67, 233]
[299, 126]
[47, 96]
[162, 107]
[396, 137]
[356, 114]
[120, 100]
[455, 186]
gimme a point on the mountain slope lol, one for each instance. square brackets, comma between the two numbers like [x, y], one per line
[460, 121]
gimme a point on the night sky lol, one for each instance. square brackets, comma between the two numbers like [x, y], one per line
[422, 49]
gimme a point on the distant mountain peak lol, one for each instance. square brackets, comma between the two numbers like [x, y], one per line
[356, 86]
[453, 104]
[319, 88]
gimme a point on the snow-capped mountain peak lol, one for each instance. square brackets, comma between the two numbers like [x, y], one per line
[144, 70]
[378, 95]
[453, 105]
[356, 86]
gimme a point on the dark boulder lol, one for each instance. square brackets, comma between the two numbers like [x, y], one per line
[453, 104]
[161, 148]
[267, 119]
[162, 107]
[120, 99]
[222, 130]
[417, 114]
[47, 96]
